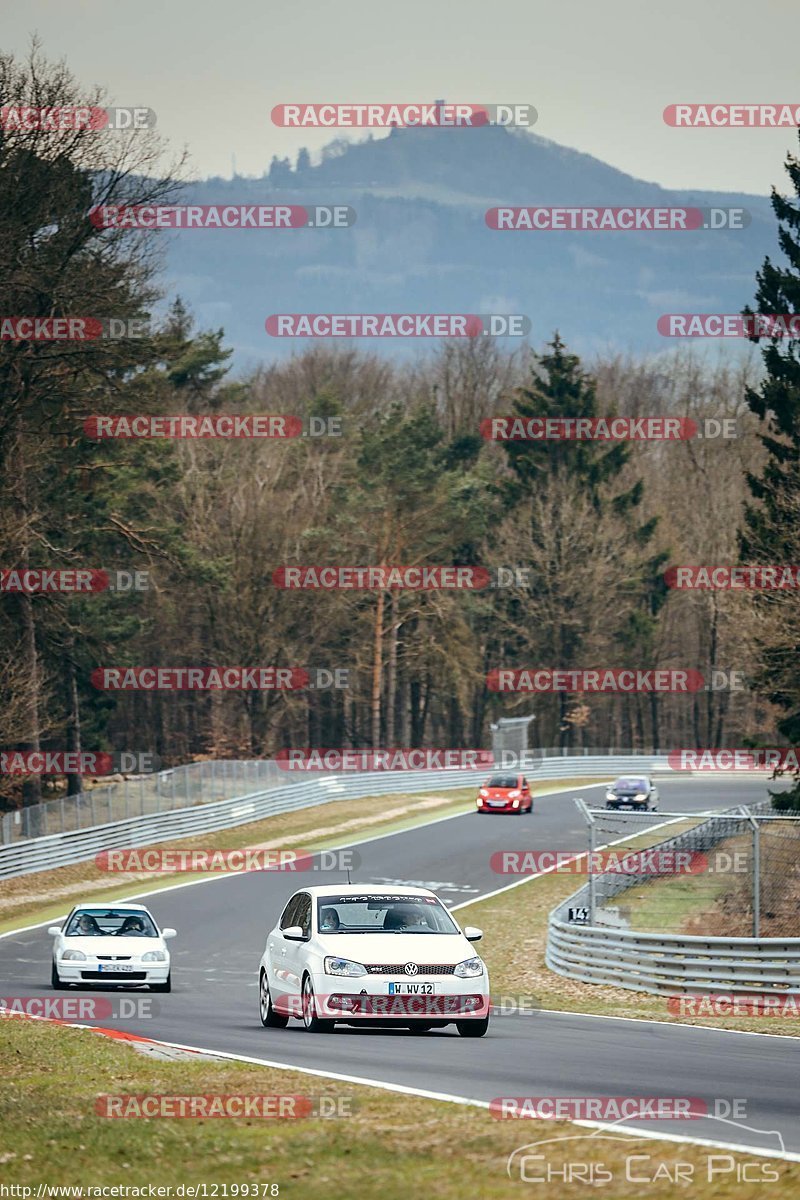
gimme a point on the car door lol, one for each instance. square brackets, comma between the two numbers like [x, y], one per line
[294, 956]
[277, 948]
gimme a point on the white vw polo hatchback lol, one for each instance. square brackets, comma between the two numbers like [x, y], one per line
[356, 954]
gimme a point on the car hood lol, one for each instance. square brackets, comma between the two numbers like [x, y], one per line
[126, 947]
[398, 947]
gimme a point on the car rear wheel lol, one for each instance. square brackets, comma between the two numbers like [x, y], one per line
[270, 1019]
[473, 1028]
[312, 1022]
[166, 986]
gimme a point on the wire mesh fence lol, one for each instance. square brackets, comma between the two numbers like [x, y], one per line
[731, 874]
[205, 782]
[143, 795]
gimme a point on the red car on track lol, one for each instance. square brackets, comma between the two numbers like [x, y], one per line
[505, 792]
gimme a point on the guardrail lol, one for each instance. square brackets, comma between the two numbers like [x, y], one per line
[669, 964]
[78, 845]
[203, 783]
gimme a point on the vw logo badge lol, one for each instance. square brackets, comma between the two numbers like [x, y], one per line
[411, 968]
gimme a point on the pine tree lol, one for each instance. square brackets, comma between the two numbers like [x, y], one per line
[771, 532]
[595, 471]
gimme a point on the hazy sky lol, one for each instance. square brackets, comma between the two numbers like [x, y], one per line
[600, 72]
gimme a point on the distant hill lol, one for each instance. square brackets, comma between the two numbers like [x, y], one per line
[421, 244]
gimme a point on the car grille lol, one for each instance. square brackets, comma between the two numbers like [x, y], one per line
[399, 968]
[114, 957]
[113, 974]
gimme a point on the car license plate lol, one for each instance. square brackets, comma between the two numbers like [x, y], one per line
[113, 968]
[411, 989]
[496, 803]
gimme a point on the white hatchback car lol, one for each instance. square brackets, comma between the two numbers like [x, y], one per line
[356, 954]
[111, 943]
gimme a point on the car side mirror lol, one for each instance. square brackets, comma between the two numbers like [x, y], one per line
[169, 933]
[472, 933]
[54, 930]
[294, 933]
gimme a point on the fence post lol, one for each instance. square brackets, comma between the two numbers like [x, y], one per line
[756, 880]
[756, 871]
[587, 816]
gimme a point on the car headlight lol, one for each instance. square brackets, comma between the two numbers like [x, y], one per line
[483, 792]
[641, 796]
[343, 966]
[155, 956]
[511, 795]
[611, 795]
[74, 955]
[469, 968]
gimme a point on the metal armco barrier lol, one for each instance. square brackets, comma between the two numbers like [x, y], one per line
[79, 845]
[665, 963]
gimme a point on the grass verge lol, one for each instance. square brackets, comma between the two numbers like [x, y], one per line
[390, 1144]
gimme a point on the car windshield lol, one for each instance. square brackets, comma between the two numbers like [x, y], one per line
[503, 781]
[383, 914]
[631, 785]
[105, 922]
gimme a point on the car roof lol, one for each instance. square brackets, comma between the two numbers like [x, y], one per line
[110, 906]
[363, 889]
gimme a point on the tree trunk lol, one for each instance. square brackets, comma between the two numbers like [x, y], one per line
[75, 780]
[391, 675]
[377, 670]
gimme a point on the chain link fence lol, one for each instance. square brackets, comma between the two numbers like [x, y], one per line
[198, 783]
[731, 874]
[144, 795]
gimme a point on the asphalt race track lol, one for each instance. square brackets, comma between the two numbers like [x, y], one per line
[222, 924]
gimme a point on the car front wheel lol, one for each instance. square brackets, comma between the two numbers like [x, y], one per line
[312, 1022]
[473, 1028]
[166, 986]
[55, 982]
